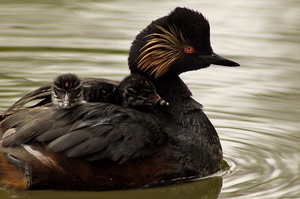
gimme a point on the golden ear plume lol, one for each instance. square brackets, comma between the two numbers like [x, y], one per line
[161, 50]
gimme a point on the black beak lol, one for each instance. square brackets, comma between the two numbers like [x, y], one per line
[218, 60]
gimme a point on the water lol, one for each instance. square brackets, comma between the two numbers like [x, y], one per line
[255, 108]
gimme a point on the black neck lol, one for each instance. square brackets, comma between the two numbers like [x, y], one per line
[171, 88]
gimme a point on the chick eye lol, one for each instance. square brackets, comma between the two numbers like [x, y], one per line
[189, 49]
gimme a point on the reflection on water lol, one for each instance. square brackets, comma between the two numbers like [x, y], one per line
[206, 188]
[255, 108]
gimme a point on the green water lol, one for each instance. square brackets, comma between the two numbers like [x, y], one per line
[255, 108]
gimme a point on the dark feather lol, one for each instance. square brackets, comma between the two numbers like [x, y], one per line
[43, 94]
[88, 129]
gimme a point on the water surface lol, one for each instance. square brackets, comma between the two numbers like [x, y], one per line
[255, 108]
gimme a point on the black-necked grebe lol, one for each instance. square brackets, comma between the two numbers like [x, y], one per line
[67, 91]
[101, 146]
[136, 90]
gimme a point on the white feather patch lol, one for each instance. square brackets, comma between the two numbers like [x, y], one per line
[46, 160]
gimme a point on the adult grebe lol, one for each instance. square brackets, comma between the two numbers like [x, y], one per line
[101, 146]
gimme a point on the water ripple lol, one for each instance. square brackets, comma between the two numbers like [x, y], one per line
[263, 164]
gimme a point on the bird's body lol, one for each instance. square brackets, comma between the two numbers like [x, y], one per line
[100, 146]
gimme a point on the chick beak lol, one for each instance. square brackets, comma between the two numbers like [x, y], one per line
[66, 101]
[156, 99]
[218, 60]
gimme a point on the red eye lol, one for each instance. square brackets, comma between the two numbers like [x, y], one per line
[189, 49]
